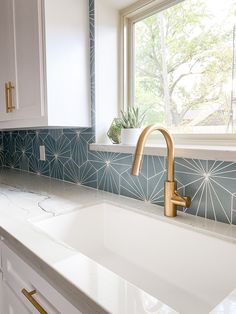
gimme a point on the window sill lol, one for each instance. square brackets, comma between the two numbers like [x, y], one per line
[223, 153]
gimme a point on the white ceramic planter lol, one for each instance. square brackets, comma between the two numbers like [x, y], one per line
[130, 136]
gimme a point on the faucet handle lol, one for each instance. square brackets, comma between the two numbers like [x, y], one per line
[179, 200]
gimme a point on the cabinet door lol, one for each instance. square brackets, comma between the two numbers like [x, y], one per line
[24, 57]
[28, 58]
[11, 304]
[7, 57]
[19, 275]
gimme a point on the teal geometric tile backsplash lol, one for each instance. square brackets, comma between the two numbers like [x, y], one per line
[211, 184]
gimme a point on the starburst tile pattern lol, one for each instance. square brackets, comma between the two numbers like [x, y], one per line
[135, 187]
[88, 175]
[79, 138]
[211, 184]
[109, 166]
[72, 172]
[148, 186]
[38, 166]
[233, 207]
[92, 60]
[66, 152]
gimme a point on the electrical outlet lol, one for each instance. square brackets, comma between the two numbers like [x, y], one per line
[42, 152]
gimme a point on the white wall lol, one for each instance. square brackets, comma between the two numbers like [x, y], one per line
[67, 47]
[107, 66]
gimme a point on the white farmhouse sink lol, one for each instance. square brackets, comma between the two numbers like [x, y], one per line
[189, 271]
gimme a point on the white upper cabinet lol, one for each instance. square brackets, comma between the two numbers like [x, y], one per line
[7, 55]
[44, 63]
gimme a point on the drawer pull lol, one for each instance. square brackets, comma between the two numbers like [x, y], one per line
[7, 97]
[29, 296]
[11, 87]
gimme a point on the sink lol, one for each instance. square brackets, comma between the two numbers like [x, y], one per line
[188, 270]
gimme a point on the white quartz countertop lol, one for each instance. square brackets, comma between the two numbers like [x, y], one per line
[25, 198]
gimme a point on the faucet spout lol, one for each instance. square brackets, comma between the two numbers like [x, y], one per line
[172, 198]
[140, 147]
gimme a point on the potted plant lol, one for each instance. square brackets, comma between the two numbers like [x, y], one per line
[114, 132]
[131, 121]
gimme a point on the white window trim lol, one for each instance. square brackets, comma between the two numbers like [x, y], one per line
[202, 152]
[130, 15]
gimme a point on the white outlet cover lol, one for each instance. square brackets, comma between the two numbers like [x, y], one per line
[42, 152]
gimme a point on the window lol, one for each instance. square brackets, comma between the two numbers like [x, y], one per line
[182, 65]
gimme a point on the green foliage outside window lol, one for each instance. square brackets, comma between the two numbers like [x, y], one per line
[184, 67]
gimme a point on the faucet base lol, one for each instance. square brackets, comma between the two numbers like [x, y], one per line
[173, 199]
[170, 209]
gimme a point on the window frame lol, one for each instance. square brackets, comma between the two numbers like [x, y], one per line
[128, 17]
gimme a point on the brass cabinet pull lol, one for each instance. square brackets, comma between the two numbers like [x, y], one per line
[7, 96]
[9, 99]
[29, 296]
[11, 87]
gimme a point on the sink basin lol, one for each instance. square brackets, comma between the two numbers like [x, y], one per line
[188, 270]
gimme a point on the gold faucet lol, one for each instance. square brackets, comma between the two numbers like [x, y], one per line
[172, 198]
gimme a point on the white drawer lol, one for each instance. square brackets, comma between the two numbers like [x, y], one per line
[19, 275]
[11, 304]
